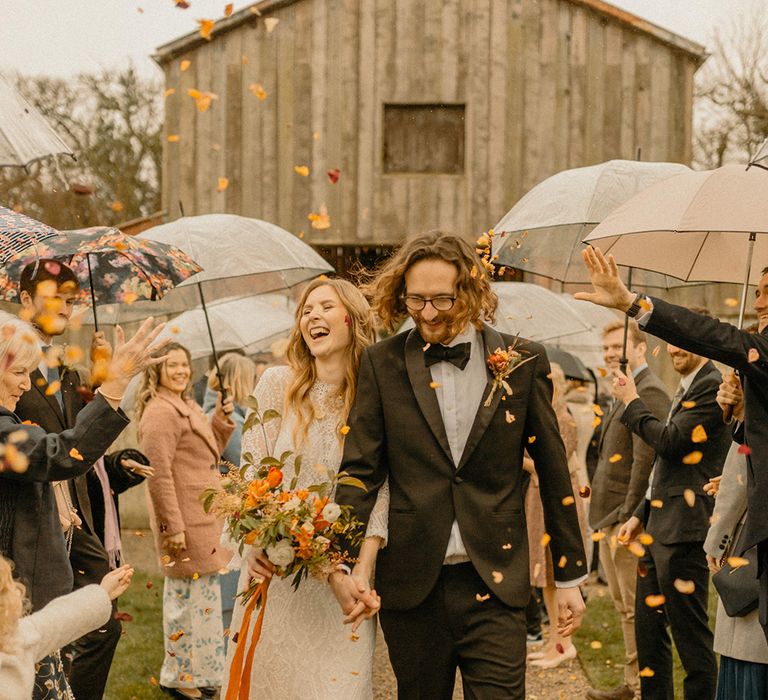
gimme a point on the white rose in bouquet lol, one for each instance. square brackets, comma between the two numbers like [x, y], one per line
[281, 553]
[331, 512]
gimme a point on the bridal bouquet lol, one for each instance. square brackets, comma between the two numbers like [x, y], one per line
[300, 530]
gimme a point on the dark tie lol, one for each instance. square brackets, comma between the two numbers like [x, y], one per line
[52, 377]
[455, 354]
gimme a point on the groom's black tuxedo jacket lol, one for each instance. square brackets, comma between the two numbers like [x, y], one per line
[396, 431]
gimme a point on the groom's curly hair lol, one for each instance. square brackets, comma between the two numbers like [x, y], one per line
[475, 300]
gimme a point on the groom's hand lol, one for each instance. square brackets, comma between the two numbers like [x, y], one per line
[357, 601]
[609, 290]
[570, 608]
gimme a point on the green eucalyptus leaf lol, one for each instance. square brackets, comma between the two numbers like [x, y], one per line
[352, 481]
[269, 414]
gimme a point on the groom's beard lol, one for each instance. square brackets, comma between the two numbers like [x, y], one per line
[439, 330]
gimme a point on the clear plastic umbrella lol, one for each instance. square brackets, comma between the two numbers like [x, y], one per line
[25, 135]
[543, 232]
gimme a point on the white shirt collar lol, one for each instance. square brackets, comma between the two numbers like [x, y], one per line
[686, 381]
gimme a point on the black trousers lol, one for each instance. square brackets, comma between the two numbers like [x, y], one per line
[686, 616]
[91, 655]
[762, 573]
[457, 626]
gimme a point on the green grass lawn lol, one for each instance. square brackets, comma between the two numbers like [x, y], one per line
[140, 652]
[604, 666]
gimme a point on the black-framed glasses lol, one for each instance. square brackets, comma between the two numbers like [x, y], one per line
[441, 303]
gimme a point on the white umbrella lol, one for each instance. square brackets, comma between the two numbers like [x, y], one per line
[542, 233]
[587, 346]
[25, 135]
[760, 159]
[701, 226]
[250, 324]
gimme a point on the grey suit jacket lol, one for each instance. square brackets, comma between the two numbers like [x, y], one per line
[625, 460]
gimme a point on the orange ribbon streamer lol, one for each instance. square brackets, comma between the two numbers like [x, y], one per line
[239, 682]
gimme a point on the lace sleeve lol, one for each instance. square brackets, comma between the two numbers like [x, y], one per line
[270, 394]
[378, 523]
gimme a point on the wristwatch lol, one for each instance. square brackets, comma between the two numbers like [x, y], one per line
[634, 308]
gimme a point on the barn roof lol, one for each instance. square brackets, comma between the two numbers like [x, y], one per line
[251, 14]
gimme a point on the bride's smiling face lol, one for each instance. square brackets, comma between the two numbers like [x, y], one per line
[324, 323]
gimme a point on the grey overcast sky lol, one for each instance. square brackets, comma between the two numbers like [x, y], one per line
[65, 37]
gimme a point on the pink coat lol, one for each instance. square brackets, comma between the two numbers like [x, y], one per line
[183, 447]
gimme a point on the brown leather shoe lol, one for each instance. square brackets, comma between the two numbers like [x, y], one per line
[623, 692]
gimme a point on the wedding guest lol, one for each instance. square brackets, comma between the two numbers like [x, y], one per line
[48, 290]
[618, 487]
[721, 342]
[558, 649]
[26, 639]
[433, 419]
[305, 650]
[239, 375]
[30, 529]
[694, 426]
[184, 448]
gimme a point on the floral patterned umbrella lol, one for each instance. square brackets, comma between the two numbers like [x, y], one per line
[110, 266]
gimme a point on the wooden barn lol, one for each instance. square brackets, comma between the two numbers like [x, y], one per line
[435, 113]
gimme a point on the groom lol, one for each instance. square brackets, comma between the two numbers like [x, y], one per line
[433, 418]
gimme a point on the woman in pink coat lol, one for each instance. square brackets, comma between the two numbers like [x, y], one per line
[183, 447]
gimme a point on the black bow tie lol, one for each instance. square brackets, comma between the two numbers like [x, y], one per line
[456, 354]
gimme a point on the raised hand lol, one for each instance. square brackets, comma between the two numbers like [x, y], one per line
[624, 388]
[609, 290]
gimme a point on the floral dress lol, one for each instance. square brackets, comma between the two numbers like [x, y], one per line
[305, 651]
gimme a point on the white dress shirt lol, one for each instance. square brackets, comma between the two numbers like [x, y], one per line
[459, 395]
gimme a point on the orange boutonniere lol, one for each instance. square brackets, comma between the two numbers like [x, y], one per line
[502, 363]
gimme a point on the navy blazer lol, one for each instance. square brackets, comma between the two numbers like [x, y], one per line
[678, 520]
[727, 344]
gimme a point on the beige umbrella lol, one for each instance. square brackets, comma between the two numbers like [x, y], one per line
[698, 226]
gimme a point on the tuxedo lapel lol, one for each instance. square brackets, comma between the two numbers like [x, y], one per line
[420, 378]
[40, 384]
[491, 341]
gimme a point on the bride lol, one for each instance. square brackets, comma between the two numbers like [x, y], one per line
[306, 651]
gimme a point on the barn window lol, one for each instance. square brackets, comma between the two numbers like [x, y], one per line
[424, 138]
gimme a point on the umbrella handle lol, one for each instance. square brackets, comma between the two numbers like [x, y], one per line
[220, 376]
[93, 293]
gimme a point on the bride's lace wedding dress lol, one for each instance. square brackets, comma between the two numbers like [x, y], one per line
[305, 651]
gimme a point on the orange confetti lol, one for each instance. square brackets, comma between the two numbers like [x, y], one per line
[498, 577]
[636, 548]
[117, 206]
[203, 100]
[186, 63]
[176, 636]
[321, 220]
[597, 536]
[169, 92]
[657, 503]
[153, 681]
[73, 354]
[596, 421]
[53, 387]
[228, 9]
[545, 539]
[732, 302]
[270, 23]
[195, 576]
[688, 404]
[737, 562]
[656, 350]
[222, 185]
[645, 538]
[562, 562]
[206, 27]
[684, 586]
[753, 355]
[75, 454]
[434, 385]
[597, 410]
[258, 90]
[531, 439]
[615, 458]
[344, 430]
[568, 501]
[509, 417]
[693, 457]
[690, 497]
[654, 601]
[647, 672]
[595, 645]
[699, 434]
[173, 138]
[302, 170]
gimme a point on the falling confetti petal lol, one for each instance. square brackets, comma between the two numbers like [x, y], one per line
[688, 404]
[568, 501]
[509, 417]
[636, 548]
[344, 430]
[657, 503]
[693, 457]
[597, 536]
[645, 538]
[560, 649]
[654, 601]
[333, 175]
[176, 636]
[223, 184]
[562, 562]
[647, 672]
[75, 454]
[614, 458]
[228, 9]
[169, 92]
[498, 577]
[531, 439]
[173, 138]
[545, 540]
[737, 562]
[206, 27]
[321, 220]
[753, 355]
[596, 645]
[270, 23]
[690, 497]
[258, 90]
[699, 434]
[203, 100]
[684, 586]
[117, 207]
[186, 63]
[482, 598]
[302, 170]
[731, 301]
[434, 385]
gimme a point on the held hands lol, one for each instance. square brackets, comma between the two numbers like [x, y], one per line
[358, 602]
[609, 290]
[570, 608]
[624, 388]
[116, 582]
[174, 544]
[630, 531]
[713, 564]
[730, 394]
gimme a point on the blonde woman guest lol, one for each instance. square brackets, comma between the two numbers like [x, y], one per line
[305, 650]
[26, 639]
[183, 447]
[558, 648]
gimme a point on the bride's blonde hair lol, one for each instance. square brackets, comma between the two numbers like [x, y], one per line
[302, 362]
[13, 605]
